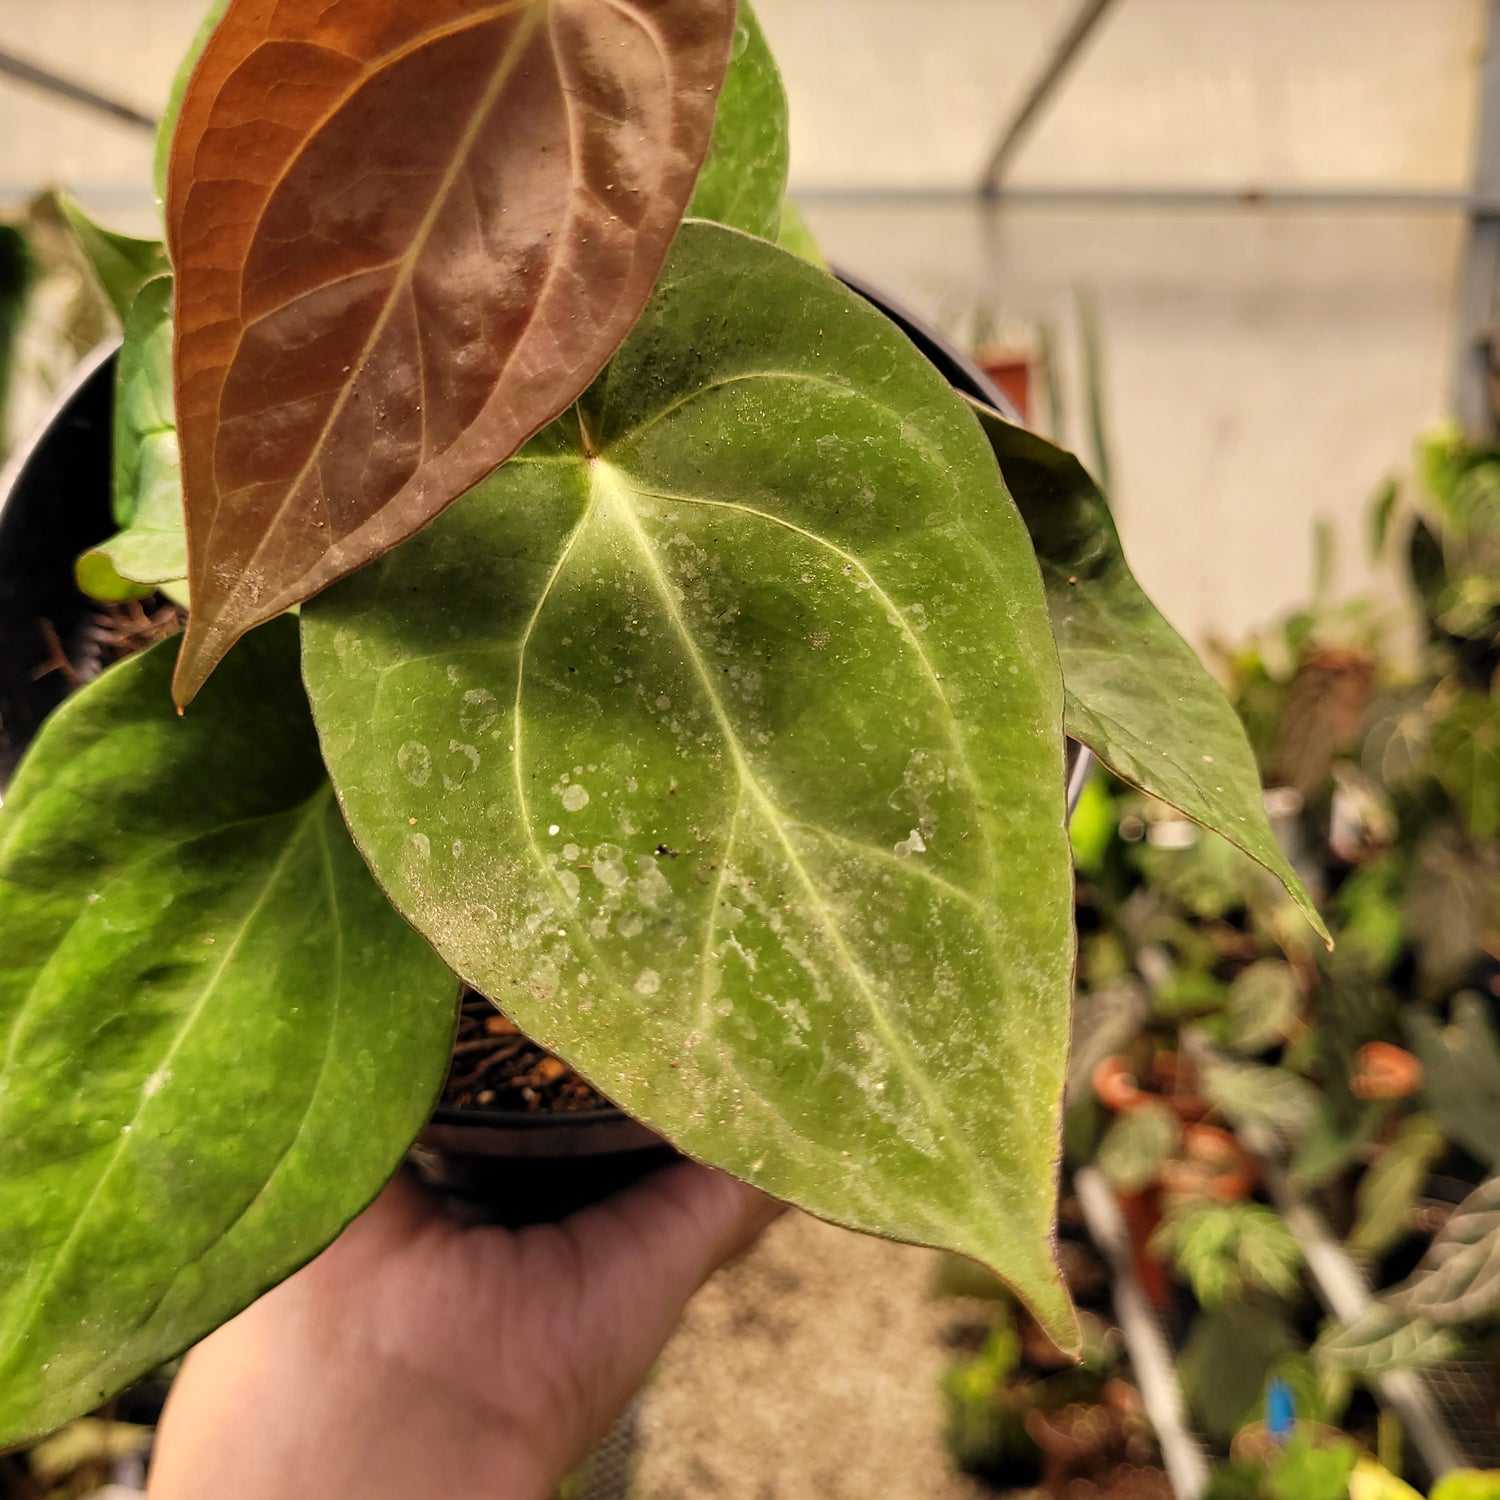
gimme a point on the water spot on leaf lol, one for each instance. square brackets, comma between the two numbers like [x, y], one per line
[479, 711]
[415, 761]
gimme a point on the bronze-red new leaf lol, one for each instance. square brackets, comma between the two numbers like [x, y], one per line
[407, 234]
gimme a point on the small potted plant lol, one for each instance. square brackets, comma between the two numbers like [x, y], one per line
[592, 604]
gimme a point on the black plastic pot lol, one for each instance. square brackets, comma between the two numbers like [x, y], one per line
[54, 504]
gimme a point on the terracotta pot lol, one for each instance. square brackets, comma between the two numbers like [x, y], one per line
[1117, 1087]
[1011, 371]
[1384, 1071]
[1257, 1444]
[1211, 1163]
[1142, 1215]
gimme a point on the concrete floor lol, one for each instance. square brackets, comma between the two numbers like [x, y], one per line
[807, 1371]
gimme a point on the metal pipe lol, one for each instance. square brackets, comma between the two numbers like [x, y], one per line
[1090, 13]
[53, 83]
[1344, 1291]
[1150, 1353]
[1088, 196]
[1478, 301]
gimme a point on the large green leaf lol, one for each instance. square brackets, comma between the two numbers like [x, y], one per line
[122, 263]
[744, 178]
[219, 1038]
[718, 739]
[1138, 697]
[151, 547]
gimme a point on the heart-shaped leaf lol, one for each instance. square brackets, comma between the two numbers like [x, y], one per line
[151, 547]
[1136, 1144]
[717, 738]
[1264, 1001]
[1458, 1280]
[1390, 1188]
[1276, 1099]
[144, 413]
[405, 238]
[220, 1039]
[1137, 695]
[122, 263]
[1380, 1340]
[743, 181]
[794, 235]
[1461, 1073]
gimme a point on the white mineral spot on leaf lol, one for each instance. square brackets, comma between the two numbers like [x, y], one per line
[156, 1082]
[648, 982]
[911, 844]
[479, 711]
[415, 761]
[570, 852]
[575, 799]
[470, 754]
[554, 829]
[609, 866]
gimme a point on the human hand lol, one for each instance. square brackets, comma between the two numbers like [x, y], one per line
[418, 1357]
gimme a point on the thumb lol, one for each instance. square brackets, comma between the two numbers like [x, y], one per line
[639, 1257]
[668, 1234]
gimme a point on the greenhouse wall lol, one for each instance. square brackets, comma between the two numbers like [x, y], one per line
[1258, 365]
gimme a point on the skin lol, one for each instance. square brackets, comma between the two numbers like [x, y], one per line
[419, 1356]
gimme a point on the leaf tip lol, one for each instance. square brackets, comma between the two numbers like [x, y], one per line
[202, 650]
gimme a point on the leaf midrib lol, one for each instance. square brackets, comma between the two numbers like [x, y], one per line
[610, 484]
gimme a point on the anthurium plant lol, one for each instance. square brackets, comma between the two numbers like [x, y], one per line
[592, 603]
